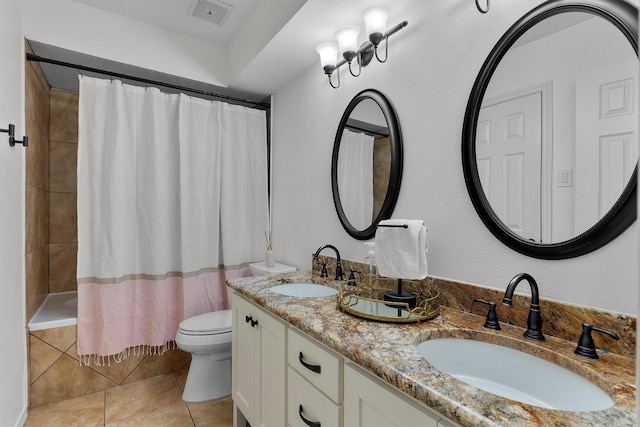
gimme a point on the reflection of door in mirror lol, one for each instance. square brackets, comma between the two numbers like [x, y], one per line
[508, 150]
[556, 50]
[607, 131]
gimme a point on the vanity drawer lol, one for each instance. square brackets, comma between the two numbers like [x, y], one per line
[305, 402]
[321, 366]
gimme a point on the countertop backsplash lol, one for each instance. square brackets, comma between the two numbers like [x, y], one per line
[560, 320]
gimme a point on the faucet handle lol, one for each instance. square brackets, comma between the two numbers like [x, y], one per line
[323, 272]
[352, 277]
[492, 317]
[586, 347]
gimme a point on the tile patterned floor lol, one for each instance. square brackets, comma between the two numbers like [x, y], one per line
[152, 402]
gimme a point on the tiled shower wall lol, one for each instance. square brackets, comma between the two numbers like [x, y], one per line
[36, 187]
[381, 171]
[50, 188]
[63, 155]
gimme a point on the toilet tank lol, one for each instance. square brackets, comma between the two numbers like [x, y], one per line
[261, 269]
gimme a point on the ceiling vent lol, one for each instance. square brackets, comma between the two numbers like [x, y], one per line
[211, 10]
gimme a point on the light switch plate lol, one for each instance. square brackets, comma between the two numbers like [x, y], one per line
[565, 178]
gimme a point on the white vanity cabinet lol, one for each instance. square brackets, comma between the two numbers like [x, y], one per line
[258, 366]
[370, 402]
[314, 392]
[284, 377]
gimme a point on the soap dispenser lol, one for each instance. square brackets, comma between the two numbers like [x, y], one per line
[370, 262]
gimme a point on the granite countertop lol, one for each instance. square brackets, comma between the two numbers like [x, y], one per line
[387, 350]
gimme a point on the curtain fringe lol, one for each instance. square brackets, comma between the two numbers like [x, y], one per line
[138, 350]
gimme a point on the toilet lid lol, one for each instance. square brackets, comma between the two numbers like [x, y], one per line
[217, 322]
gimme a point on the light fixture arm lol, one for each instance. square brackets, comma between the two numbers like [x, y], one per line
[331, 82]
[359, 66]
[386, 50]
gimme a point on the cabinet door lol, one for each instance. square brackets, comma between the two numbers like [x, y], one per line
[271, 381]
[368, 402]
[244, 360]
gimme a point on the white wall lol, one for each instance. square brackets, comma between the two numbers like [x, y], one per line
[13, 357]
[433, 64]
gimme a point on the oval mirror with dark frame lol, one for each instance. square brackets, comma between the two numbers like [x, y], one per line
[551, 128]
[366, 165]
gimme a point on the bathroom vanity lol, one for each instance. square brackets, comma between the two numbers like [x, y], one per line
[303, 362]
[320, 387]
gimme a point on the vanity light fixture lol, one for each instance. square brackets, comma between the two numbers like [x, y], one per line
[375, 19]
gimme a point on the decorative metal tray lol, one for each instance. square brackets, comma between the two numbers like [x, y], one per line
[367, 301]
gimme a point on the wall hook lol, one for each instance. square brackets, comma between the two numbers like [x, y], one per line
[12, 140]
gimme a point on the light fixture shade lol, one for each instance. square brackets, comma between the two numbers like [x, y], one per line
[328, 52]
[348, 38]
[375, 20]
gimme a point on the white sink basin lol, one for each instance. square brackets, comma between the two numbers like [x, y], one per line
[303, 290]
[514, 374]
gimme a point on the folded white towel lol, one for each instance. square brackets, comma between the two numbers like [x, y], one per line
[401, 253]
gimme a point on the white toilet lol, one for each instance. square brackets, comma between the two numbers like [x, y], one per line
[208, 338]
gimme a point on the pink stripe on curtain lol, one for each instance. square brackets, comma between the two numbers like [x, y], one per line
[115, 317]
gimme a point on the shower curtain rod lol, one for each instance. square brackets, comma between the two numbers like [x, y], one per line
[36, 58]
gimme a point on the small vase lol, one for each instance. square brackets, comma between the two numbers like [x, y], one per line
[270, 258]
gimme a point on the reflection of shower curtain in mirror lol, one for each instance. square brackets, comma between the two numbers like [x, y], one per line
[172, 201]
[355, 178]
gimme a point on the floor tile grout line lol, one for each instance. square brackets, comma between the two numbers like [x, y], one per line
[62, 353]
[193, 421]
[175, 377]
[69, 397]
[114, 389]
[104, 408]
[134, 369]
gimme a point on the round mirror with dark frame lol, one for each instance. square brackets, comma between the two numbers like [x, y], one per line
[549, 148]
[366, 165]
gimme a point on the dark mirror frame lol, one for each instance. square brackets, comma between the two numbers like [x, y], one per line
[625, 17]
[395, 173]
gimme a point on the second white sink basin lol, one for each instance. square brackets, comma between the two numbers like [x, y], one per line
[514, 374]
[303, 290]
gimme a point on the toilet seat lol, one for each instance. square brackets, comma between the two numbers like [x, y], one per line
[214, 323]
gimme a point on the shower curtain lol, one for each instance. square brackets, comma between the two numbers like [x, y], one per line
[172, 201]
[355, 177]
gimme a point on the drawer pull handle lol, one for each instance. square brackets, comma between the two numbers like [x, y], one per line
[249, 319]
[306, 421]
[314, 368]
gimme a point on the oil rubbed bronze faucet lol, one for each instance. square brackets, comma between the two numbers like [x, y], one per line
[324, 267]
[534, 321]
